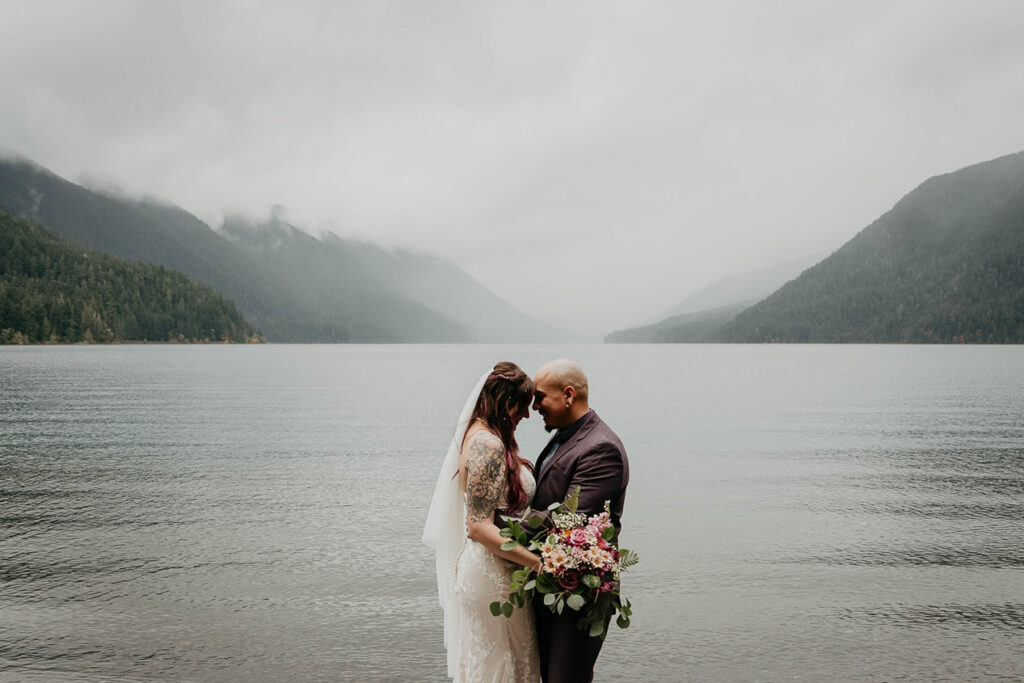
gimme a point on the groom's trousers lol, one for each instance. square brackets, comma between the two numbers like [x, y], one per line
[567, 654]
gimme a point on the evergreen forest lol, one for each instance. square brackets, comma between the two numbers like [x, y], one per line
[53, 290]
[944, 265]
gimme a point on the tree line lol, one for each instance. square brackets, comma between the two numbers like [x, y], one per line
[53, 290]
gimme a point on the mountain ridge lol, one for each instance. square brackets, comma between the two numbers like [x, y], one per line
[296, 289]
[944, 265]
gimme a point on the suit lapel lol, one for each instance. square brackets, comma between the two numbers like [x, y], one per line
[563, 452]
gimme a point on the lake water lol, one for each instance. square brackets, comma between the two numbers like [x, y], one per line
[223, 513]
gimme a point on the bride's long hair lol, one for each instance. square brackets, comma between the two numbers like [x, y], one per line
[507, 390]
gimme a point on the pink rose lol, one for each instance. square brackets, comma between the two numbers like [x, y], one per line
[579, 537]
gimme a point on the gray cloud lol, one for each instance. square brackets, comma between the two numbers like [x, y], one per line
[590, 162]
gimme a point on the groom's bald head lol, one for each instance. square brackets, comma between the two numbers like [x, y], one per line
[567, 373]
[560, 393]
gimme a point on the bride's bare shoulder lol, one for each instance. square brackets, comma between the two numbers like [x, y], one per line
[479, 437]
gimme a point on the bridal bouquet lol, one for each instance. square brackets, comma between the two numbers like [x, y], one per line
[581, 566]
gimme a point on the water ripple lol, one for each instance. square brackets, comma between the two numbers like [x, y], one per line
[1000, 617]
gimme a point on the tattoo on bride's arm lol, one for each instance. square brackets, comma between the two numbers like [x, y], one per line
[485, 470]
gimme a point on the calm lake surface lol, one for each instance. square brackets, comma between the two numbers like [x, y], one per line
[214, 513]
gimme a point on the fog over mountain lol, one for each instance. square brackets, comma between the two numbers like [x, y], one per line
[292, 286]
[944, 265]
[590, 163]
[739, 288]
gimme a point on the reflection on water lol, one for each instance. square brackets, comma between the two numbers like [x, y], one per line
[221, 514]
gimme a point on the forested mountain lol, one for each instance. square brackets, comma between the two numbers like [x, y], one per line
[54, 290]
[312, 292]
[945, 264]
[437, 284]
[421, 279]
[290, 285]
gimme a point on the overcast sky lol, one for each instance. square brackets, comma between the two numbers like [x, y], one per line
[590, 162]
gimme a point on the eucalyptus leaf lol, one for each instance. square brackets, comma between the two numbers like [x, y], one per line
[597, 628]
[530, 585]
[546, 583]
[495, 608]
[549, 599]
[575, 602]
[573, 501]
[622, 621]
[591, 581]
[507, 609]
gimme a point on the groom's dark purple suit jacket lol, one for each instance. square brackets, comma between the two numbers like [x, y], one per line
[594, 459]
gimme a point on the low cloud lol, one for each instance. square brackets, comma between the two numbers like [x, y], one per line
[591, 163]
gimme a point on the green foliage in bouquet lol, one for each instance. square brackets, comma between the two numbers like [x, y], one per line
[581, 566]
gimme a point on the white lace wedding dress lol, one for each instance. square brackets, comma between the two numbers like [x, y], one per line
[492, 649]
[481, 647]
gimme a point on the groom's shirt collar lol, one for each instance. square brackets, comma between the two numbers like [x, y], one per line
[566, 433]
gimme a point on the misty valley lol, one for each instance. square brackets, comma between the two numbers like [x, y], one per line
[944, 265]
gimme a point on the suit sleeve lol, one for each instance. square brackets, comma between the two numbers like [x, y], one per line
[599, 478]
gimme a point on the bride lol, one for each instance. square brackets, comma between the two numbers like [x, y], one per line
[481, 474]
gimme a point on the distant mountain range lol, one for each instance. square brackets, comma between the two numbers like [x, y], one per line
[945, 264]
[748, 287]
[291, 286]
[53, 290]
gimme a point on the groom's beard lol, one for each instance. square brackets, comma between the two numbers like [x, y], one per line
[550, 428]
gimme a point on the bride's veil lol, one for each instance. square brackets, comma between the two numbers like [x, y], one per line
[445, 529]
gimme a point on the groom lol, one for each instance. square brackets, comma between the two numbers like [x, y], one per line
[583, 453]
